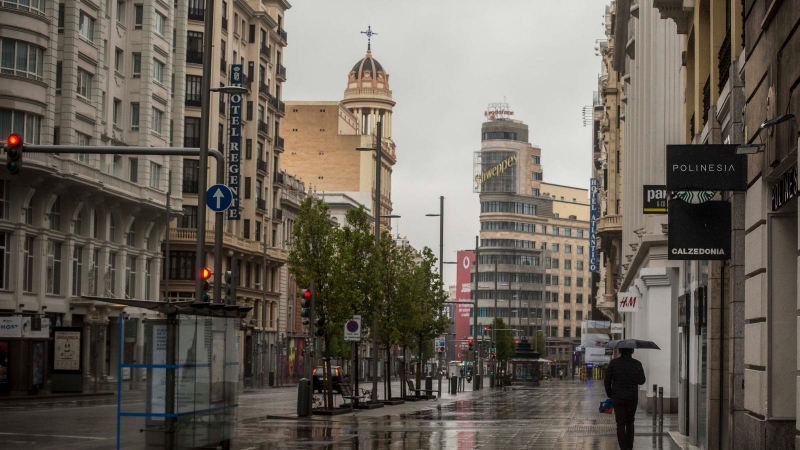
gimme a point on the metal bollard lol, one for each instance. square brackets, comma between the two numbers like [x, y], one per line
[661, 407]
[655, 400]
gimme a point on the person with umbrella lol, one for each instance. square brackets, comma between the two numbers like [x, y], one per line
[622, 381]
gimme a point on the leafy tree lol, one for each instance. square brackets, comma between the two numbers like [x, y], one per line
[504, 339]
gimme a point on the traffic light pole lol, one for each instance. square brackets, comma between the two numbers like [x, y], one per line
[159, 151]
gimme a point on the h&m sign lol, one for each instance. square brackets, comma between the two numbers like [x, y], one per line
[627, 302]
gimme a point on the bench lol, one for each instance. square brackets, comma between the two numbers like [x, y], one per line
[347, 394]
[428, 393]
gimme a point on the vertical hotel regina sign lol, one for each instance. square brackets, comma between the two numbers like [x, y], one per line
[235, 141]
[593, 263]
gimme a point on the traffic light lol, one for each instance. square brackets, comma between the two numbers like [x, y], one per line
[305, 303]
[230, 287]
[13, 148]
[205, 274]
[470, 344]
[319, 324]
[485, 330]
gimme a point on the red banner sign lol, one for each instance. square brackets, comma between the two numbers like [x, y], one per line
[466, 258]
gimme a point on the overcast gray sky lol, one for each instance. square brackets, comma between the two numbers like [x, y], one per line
[447, 60]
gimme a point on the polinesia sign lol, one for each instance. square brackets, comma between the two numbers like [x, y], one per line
[705, 168]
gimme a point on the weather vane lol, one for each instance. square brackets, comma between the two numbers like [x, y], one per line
[369, 34]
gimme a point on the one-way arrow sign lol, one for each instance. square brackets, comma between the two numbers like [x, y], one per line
[219, 198]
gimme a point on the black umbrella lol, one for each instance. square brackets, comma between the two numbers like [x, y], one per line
[632, 343]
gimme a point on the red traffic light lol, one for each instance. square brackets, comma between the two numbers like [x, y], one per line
[306, 293]
[470, 341]
[14, 139]
[205, 273]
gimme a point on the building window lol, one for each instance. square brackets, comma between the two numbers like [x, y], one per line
[134, 170]
[85, 84]
[5, 255]
[130, 237]
[137, 65]
[22, 59]
[194, 47]
[59, 76]
[112, 228]
[119, 60]
[567, 315]
[27, 257]
[258, 231]
[247, 229]
[158, 71]
[181, 265]
[580, 249]
[158, 118]
[579, 282]
[160, 24]
[148, 270]
[580, 233]
[86, 26]
[5, 200]
[135, 116]
[121, 12]
[130, 277]
[194, 91]
[248, 186]
[568, 232]
[579, 265]
[95, 271]
[189, 218]
[567, 298]
[77, 270]
[567, 264]
[567, 331]
[54, 267]
[578, 315]
[536, 176]
[61, 10]
[55, 215]
[138, 16]
[117, 112]
[191, 172]
[555, 246]
[535, 159]
[567, 281]
[535, 192]
[112, 271]
[77, 224]
[567, 248]
[554, 280]
[155, 175]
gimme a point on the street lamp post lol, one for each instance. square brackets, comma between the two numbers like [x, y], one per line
[376, 213]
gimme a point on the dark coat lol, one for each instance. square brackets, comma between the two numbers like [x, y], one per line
[623, 377]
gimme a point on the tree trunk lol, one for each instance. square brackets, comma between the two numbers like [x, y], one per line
[419, 365]
[328, 379]
[387, 379]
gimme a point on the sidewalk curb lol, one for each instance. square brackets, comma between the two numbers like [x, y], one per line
[38, 398]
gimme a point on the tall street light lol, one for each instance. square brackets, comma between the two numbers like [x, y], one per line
[441, 234]
[202, 176]
[376, 213]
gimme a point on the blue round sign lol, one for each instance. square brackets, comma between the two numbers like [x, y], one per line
[219, 197]
[352, 326]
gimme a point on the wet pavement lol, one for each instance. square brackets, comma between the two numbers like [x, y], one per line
[556, 415]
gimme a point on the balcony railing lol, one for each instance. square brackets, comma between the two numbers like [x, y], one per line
[192, 101]
[277, 214]
[281, 106]
[279, 177]
[247, 82]
[265, 51]
[283, 35]
[261, 204]
[190, 187]
[724, 58]
[191, 141]
[272, 102]
[194, 57]
[197, 13]
[225, 23]
[280, 72]
[279, 142]
[263, 89]
[263, 128]
[261, 165]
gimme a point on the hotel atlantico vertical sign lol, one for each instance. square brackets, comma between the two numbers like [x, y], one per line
[593, 217]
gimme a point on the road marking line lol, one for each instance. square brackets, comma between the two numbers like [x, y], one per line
[65, 436]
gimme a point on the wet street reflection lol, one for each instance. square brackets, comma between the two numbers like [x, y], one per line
[557, 415]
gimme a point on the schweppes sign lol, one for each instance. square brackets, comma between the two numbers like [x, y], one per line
[507, 163]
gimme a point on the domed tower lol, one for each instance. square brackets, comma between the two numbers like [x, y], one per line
[368, 96]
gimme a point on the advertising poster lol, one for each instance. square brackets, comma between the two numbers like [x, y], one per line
[42, 333]
[67, 350]
[594, 337]
[10, 327]
[4, 362]
[38, 365]
[465, 258]
[158, 379]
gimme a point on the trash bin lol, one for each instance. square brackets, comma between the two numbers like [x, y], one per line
[491, 380]
[453, 385]
[272, 379]
[304, 398]
[428, 385]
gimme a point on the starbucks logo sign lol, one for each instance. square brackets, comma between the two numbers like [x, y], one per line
[695, 197]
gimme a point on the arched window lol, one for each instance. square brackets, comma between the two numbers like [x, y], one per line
[55, 215]
[130, 238]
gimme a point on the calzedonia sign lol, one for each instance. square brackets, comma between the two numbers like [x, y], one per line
[785, 189]
[699, 232]
[705, 168]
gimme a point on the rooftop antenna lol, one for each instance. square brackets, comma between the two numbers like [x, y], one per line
[369, 34]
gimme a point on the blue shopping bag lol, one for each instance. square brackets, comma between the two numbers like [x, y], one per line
[607, 407]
